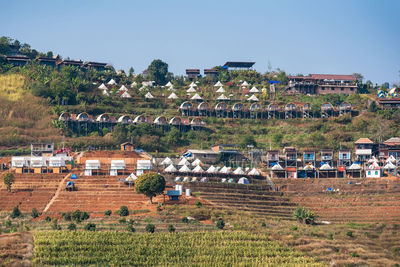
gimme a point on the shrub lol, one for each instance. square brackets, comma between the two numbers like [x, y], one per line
[34, 213]
[76, 216]
[130, 222]
[293, 228]
[15, 213]
[8, 180]
[171, 228]
[90, 227]
[220, 224]
[130, 228]
[72, 227]
[122, 221]
[150, 228]
[67, 216]
[199, 204]
[263, 224]
[123, 211]
[107, 213]
[84, 216]
[8, 223]
[55, 224]
[304, 215]
[185, 220]
[159, 207]
[48, 219]
[349, 233]
[354, 254]
[330, 236]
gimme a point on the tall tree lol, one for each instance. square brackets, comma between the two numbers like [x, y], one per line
[8, 179]
[150, 184]
[158, 71]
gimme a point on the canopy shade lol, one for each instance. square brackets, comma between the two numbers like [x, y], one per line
[276, 167]
[170, 168]
[173, 96]
[191, 90]
[112, 82]
[184, 168]
[222, 97]
[239, 171]
[148, 95]
[212, 169]
[196, 97]
[218, 84]
[103, 87]
[253, 98]
[166, 161]
[254, 90]
[254, 172]
[183, 161]
[220, 90]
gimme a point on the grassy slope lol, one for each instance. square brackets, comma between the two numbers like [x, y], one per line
[23, 117]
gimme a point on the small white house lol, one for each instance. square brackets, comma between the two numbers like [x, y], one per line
[373, 172]
[143, 165]
[117, 165]
[90, 165]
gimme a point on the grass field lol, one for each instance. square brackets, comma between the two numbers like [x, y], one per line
[12, 86]
[224, 248]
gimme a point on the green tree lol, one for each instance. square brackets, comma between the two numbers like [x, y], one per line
[90, 227]
[15, 213]
[247, 140]
[34, 213]
[120, 134]
[220, 224]
[372, 107]
[171, 228]
[304, 215]
[131, 72]
[158, 71]
[150, 228]
[72, 227]
[150, 184]
[124, 211]
[8, 180]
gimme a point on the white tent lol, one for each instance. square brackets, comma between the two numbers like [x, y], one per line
[220, 90]
[184, 168]
[169, 84]
[245, 83]
[254, 90]
[122, 88]
[222, 97]
[118, 164]
[276, 167]
[148, 95]
[167, 161]
[125, 95]
[191, 90]
[254, 172]
[171, 89]
[243, 180]
[196, 162]
[309, 167]
[223, 180]
[253, 98]
[92, 164]
[204, 180]
[112, 82]
[105, 92]
[355, 166]
[183, 161]
[389, 166]
[212, 169]
[185, 179]
[196, 97]
[198, 169]
[218, 84]
[225, 170]
[373, 160]
[193, 84]
[170, 168]
[132, 177]
[103, 87]
[391, 159]
[239, 171]
[326, 167]
[173, 96]
[133, 84]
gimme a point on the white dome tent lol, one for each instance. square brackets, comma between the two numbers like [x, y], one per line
[185, 168]
[196, 97]
[112, 82]
[167, 161]
[212, 170]
[243, 180]
[220, 90]
[218, 84]
[148, 95]
[239, 171]
[254, 172]
[170, 168]
[254, 90]
[276, 167]
[183, 161]
[173, 96]
[191, 90]
[253, 98]
[103, 87]
[326, 167]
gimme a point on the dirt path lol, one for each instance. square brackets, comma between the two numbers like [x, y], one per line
[59, 188]
[16, 249]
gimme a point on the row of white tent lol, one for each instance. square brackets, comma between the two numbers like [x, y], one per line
[39, 162]
[212, 170]
[242, 180]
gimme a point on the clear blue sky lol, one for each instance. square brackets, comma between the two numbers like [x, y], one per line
[339, 37]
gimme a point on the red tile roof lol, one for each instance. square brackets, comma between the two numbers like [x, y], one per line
[364, 141]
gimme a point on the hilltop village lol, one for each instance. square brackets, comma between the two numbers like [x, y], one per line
[314, 157]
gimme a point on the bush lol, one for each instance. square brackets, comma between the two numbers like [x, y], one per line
[123, 211]
[34, 213]
[67, 216]
[107, 213]
[354, 254]
[48, 219]
[130, 222]
[15, 213]
[349, 234]
[72, 227]
[55, 224]
[263, 224]
[130, 228]
[220, 224]
[122, 221]
[84, 216]
[304, 215]
[79, 216]
[150, 228]
[185, 220]
[90, 227]
[199, 204]
[8, 223]
[171, 228]
[293, 228]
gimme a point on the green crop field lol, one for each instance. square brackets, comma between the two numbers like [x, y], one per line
[223, 248]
